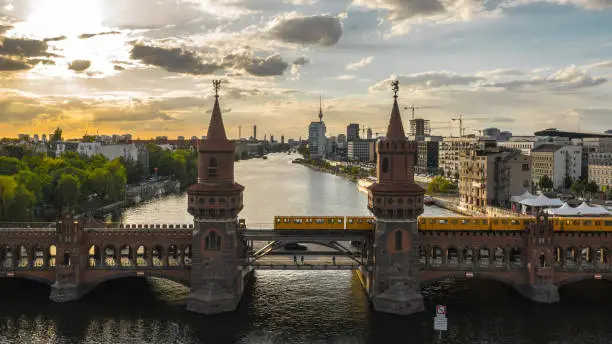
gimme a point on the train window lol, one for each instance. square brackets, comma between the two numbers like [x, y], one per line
[278, 220]
[360, 221]
[308, 220]
[340, 221]
[495, 222]
[287, 220]
[484, 222]
[350, 221]
[298, 221]
[443, 222]
[597, 223]
[454, 222]
[607, 223]
[422, 221]
[576, 223]
[432, 221]
[319, 221]
[463, 222]
[587, 223]
[504, 222]
[515, 222]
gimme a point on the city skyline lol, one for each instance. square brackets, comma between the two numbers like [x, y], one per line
[90, 66]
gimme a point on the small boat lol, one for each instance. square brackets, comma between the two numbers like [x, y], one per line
[428, 200]
[264, 157]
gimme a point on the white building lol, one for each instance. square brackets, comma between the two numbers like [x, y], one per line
[361, 150]
[128, 151]
[557, 162]
[450, 149]
[316, 138]
[89, 149]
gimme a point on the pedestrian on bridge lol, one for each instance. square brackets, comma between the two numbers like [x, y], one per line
[294, 260]
[334, 260]
[302, 260]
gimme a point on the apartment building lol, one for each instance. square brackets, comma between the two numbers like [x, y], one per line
[600, 170]
[450, 149]
[557, 162]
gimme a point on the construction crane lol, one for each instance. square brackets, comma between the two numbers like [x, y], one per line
[461, 129]
[412, 107]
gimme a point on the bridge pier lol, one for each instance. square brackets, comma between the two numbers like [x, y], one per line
[548, 293]
[66, 292]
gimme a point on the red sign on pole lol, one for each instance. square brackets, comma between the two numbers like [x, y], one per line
[441, 310]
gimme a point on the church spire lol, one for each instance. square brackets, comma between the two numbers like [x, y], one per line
[216, 130]
[395, 130]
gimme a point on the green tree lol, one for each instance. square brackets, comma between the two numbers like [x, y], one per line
[22, 207]
[592, 187]
[57, 135]
[8, 187]
[567, 181]
[578, 187]
[10, 165]
[68, 191]
[545, 182]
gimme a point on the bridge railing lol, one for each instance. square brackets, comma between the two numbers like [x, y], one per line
[260, 226]
[26, 225]
[141, 226]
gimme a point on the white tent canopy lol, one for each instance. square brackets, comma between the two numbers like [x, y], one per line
[585, 209]
[542, 201]
[564, 210]
[525, 195]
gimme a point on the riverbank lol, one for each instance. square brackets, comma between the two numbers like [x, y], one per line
[333, 170]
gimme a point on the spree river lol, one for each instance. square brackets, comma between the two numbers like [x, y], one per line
[296, 307]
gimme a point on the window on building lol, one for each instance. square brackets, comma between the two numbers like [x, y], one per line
[385, 165]
[213, 168]
[398, 240]
[212, 241]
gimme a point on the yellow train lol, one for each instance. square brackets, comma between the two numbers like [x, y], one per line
[583, 224]
[473, 223]
[433, 223]
[325, 222]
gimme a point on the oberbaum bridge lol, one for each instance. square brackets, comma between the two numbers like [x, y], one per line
[215, 254]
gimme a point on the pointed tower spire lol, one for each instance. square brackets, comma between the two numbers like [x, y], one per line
[395, 130]
[320, 110]
[216, 130]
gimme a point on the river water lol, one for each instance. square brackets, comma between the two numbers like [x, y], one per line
[295, 307]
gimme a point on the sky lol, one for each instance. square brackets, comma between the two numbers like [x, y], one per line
[146, 67]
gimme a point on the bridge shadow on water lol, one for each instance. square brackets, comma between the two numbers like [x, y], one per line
[278, 308]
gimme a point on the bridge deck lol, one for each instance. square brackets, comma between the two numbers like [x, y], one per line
[304, 267]
[305, 235]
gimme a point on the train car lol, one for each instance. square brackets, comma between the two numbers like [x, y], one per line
[360, 223]
[309, 222]
[510, 223]
[582, 224]
[437, 223]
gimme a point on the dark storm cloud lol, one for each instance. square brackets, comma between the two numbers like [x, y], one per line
[9, 64]
[269, 66]
[79, 65]
[89, 35]
[322, 30]
[176, 60]
[24, 47]
[300, 61]
[180, 60]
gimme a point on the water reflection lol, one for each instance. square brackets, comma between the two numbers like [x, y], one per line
[302, 307]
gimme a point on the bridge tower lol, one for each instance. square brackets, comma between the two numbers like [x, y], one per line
[540, 253]
[215, 200]
[396, 202]
[71, 261]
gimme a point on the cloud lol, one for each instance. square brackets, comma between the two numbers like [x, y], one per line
[594, 112]
[89, 35]
[321, 30]
[20, 109]
[568, 78]
[177, 60]
[24, 47]
[300, 61]
[272, 65]
[9, 64]
[141, 113]
[55, 39]
[427, 80]
[79, 65]
[344, 77]
[5, 28]
[360, 64]
[601, 64]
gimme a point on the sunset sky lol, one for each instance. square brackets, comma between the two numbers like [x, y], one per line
[145, 67]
